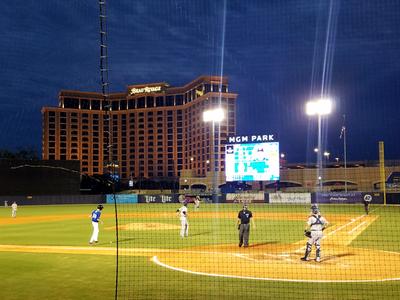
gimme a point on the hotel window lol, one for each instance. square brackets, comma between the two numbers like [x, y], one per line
[131, 105]
[122, 105]
[71, 103]
[160, 102]
[141, 103]
[169, 101]
[150, 101]
[85, 104]
[115, 105]
[178, 99]
[96, 104]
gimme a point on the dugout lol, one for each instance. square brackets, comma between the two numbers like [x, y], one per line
[39, 177]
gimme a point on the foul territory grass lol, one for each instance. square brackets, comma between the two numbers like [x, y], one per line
[91, 276]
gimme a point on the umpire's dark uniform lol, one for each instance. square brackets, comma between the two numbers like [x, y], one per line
[244, 217]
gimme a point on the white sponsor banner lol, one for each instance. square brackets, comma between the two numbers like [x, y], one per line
[245, 197]
[290, 198]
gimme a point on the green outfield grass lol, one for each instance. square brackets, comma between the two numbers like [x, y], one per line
[91, 276]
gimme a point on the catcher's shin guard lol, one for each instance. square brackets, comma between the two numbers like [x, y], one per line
[318, 253]
[308, 251]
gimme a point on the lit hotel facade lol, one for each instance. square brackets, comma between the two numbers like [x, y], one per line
[157, 130]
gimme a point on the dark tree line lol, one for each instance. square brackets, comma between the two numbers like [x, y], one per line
[21, 154]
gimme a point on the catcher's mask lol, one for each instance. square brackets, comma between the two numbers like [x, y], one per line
[315, 209]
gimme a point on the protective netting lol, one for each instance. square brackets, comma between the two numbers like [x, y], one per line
[337, 183]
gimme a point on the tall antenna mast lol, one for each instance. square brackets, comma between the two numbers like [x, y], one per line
[106, 105]
[107, 123]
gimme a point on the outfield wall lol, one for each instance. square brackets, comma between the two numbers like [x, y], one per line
[53, 199]
[270, 198]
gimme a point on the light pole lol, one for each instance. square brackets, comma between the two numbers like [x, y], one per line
[320, 107]
[216, 115]
[327, 154]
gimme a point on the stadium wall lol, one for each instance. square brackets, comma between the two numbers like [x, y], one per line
[53, 199]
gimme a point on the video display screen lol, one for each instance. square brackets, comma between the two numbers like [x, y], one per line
[252, 162]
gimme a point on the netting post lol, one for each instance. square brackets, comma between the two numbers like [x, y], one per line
[382, 170]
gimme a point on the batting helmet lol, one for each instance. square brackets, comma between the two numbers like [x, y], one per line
[100, 206]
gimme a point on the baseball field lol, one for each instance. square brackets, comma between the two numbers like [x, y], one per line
[44, 253]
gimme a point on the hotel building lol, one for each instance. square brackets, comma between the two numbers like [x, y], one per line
[157, 130]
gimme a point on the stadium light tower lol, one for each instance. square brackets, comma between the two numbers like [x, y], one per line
[216, 115]
[319, 107]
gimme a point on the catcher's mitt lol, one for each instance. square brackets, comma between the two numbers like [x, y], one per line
[307, 233]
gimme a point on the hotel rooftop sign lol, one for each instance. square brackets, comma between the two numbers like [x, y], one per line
[145, 90]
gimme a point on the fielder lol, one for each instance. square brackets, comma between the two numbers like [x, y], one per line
[197, 202]
[316, 224]
[183, 214]
[95, 216]
[14, 208]
[367, 201]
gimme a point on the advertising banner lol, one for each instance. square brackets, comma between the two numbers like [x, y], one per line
[122, 198]
[245, 198]
[349, 197]
[159, 198]
[290, 198]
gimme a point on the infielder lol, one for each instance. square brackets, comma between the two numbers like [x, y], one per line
[314, 228]
[95, 216]
[183, 214]
[14, 208]
[245, 216]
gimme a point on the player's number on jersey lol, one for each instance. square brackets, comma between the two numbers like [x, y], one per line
[94, 216]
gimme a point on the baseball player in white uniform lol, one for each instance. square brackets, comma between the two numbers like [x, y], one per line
[183, 214]
[197, 202]
[14, 208]
[314, 231]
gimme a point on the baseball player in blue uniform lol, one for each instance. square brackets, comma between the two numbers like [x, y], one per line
[95, 216]
[314, 228]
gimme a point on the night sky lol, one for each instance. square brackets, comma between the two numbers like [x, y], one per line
[271, 50]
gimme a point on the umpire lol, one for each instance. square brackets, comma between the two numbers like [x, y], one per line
[243, 223]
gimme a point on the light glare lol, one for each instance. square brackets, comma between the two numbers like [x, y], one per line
[214, 115]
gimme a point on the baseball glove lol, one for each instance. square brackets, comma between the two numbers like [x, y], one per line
[307, 233]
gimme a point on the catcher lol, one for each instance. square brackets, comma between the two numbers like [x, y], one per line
[314, 228]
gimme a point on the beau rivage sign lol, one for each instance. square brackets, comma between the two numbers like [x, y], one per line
[146, 89]
[251, 138]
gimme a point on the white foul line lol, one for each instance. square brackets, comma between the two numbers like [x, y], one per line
[157, 262]
[355, 228]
